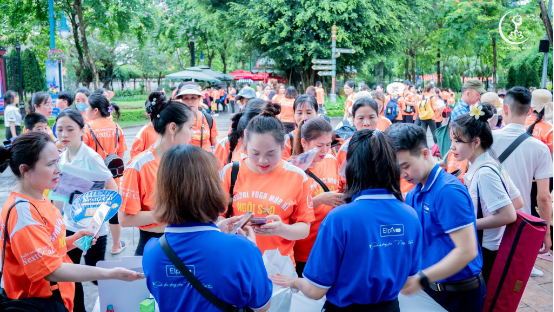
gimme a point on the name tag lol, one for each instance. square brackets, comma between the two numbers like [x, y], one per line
[391, 230]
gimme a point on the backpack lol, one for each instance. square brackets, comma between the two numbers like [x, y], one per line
[114, 163]
[210, 121]
[391, 110]
[426, 111]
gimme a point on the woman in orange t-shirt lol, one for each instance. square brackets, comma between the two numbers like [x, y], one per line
[325, 188]
[380, 98]
[281, 90]
[305, 108]
[36, 259]
[230, 148]
[80, 98]
[287, 109]
[205, 136]
[173, 122]
[365, 116]
[267, 91]
[320, 93]
[349, 92]
[270, 187]
[539, 129]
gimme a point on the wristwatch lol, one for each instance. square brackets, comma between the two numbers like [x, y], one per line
[423, 280]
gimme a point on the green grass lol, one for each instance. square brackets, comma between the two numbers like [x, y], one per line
[131, 104]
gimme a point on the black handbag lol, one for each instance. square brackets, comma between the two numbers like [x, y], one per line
[34, 304]
[222, 305]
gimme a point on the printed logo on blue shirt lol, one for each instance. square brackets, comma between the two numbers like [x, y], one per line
[172, 271]
[426, 208]
[391, 230]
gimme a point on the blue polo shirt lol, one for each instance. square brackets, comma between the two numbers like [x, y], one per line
[365, 250]
[230, 266]
[443, 206]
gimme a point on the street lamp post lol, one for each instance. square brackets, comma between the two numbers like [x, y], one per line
[64, 33]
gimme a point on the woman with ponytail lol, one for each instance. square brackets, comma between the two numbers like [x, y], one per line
[174, 123]
[489, 186]
[269, 187]
[350, 262]
[305, 108]
[325, 182]
[231, 148]
[535, 123]
[147, 136]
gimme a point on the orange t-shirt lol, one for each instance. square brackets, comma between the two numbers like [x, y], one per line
[341, 156]
[349, 102]
[221, 152]
[231, 92]
[405, 187]
[137, 186]
[201, 129]
[36, 247]
[542, 131]
[277, 98]
[145, 138]
[438, 115]
[264, 97]
[285, 192]
[328, 172]
[320, 96]
[452, 165]
[383, 123]
[406, 97]
[287, 110]
[104, 130]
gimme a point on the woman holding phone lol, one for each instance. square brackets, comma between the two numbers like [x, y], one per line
[270, 187]
[189, 199]
[325, 182]
[173, 122]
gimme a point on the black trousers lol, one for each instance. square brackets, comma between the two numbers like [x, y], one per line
[462, 301]
[144, 238]
[430, 123]
[96, 253]
[9, 132]
[114, 219]
[408, 118]
[384, 306]
[488, 261]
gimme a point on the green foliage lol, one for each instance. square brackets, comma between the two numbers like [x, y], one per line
[446, 82]
[34, 79]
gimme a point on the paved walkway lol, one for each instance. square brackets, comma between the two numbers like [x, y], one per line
[537, 296]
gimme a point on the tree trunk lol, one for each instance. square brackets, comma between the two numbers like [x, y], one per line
[406, 74]
[224, 57]
[546, 21]
[439, 81]
[494, 64]
[159, 78]
[412, 55]
[79, 10]
[75, 27]
[210, 57]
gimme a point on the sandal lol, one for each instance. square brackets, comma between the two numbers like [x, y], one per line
[120, 249]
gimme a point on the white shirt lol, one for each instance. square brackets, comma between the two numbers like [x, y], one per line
[530, 159]
[492, 194]
[12, 113]
[88, 159]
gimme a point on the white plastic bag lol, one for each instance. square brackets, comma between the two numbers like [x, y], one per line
[304, 160]
[274, 262]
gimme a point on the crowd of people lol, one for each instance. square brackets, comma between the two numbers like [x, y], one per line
[376, 212]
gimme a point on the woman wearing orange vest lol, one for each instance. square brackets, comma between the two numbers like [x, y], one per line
[535, 124]
[325, 182]
[287, 109]
[36, 264]
[173, 122]
[281, 90]
[320, 94]
[269, 187]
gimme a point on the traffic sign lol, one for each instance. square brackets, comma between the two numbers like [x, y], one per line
[335, 55]
[320, 67]
[345, 50]
[322, 61]
[325, 73]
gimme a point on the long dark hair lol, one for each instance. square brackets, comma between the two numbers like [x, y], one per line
[539, 118]
[291, 93]
[25, 150]
[103, 104]
[371, 164]
[163, 113]
[239, 122]
[74, 115]
[309, 131]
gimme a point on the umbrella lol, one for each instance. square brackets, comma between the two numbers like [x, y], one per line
[242, 74]
[208, 71]
[192, 74]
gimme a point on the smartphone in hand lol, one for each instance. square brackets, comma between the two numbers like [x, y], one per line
[258, 221]
[242, 222]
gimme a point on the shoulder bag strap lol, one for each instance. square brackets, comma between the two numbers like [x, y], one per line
[116, 137]
[508, 151]
[55, 290]
[192, 279]
[313, 176]
[234, 175]
[96, 140]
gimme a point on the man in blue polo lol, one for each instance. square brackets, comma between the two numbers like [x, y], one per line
[452, 263]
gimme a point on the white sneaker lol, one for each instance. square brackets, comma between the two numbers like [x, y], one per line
[536, 272]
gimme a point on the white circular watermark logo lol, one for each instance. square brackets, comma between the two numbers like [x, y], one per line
[515, 36]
